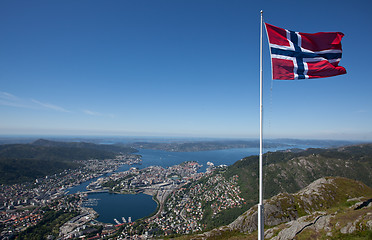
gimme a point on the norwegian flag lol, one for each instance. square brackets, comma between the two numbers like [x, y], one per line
[296, 55]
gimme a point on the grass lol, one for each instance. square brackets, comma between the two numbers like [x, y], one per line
[360, 235]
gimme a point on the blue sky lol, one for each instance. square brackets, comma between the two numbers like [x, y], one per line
[176, 68]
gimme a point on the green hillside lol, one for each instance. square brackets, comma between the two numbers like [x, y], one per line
[116, 148]
[61, 151]
[23, 170]
[286, 172]
[25, 162]
[328, 208]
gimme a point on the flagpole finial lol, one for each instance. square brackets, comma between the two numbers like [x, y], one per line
[261, 11]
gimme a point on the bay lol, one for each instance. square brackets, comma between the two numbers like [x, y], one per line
[112, 206]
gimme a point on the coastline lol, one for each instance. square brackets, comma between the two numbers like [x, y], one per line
[159, 196]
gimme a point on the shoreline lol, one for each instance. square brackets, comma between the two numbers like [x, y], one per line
[158, 195]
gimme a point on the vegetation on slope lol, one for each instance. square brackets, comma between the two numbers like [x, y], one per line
[61, 151]
[48, 227]
[26, 162]
[290, 172]
[23, 170]
[329, 208]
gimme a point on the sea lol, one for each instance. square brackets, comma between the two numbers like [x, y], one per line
[111, 206]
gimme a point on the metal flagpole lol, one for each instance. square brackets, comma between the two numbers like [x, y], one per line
[260, 204]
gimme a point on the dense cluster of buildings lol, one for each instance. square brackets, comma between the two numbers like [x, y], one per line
[148, 180]
[185, 208]
[224, 195]
[159, 182]
[21, 204]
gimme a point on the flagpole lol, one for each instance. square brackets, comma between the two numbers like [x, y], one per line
[260, 204]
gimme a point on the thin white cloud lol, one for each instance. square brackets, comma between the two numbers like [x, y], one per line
[361, 111]
[49, 106]
[8, 96]
[8, 99]
[92, 113]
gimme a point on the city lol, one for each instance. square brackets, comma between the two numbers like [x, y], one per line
[23, 205]
[179, 191]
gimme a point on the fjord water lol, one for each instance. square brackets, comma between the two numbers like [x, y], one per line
[115, 206]
[166, 159]
[111, 206]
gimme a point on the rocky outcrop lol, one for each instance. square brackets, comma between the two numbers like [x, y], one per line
[321, 208]
[331, 224]
[278, 209]
[318, 220]
[286, 207]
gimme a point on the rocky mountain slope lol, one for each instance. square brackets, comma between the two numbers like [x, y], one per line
[292, 171]
[330, 207]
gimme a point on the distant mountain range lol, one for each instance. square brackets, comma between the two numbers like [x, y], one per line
[182, 144]
[193, 146]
